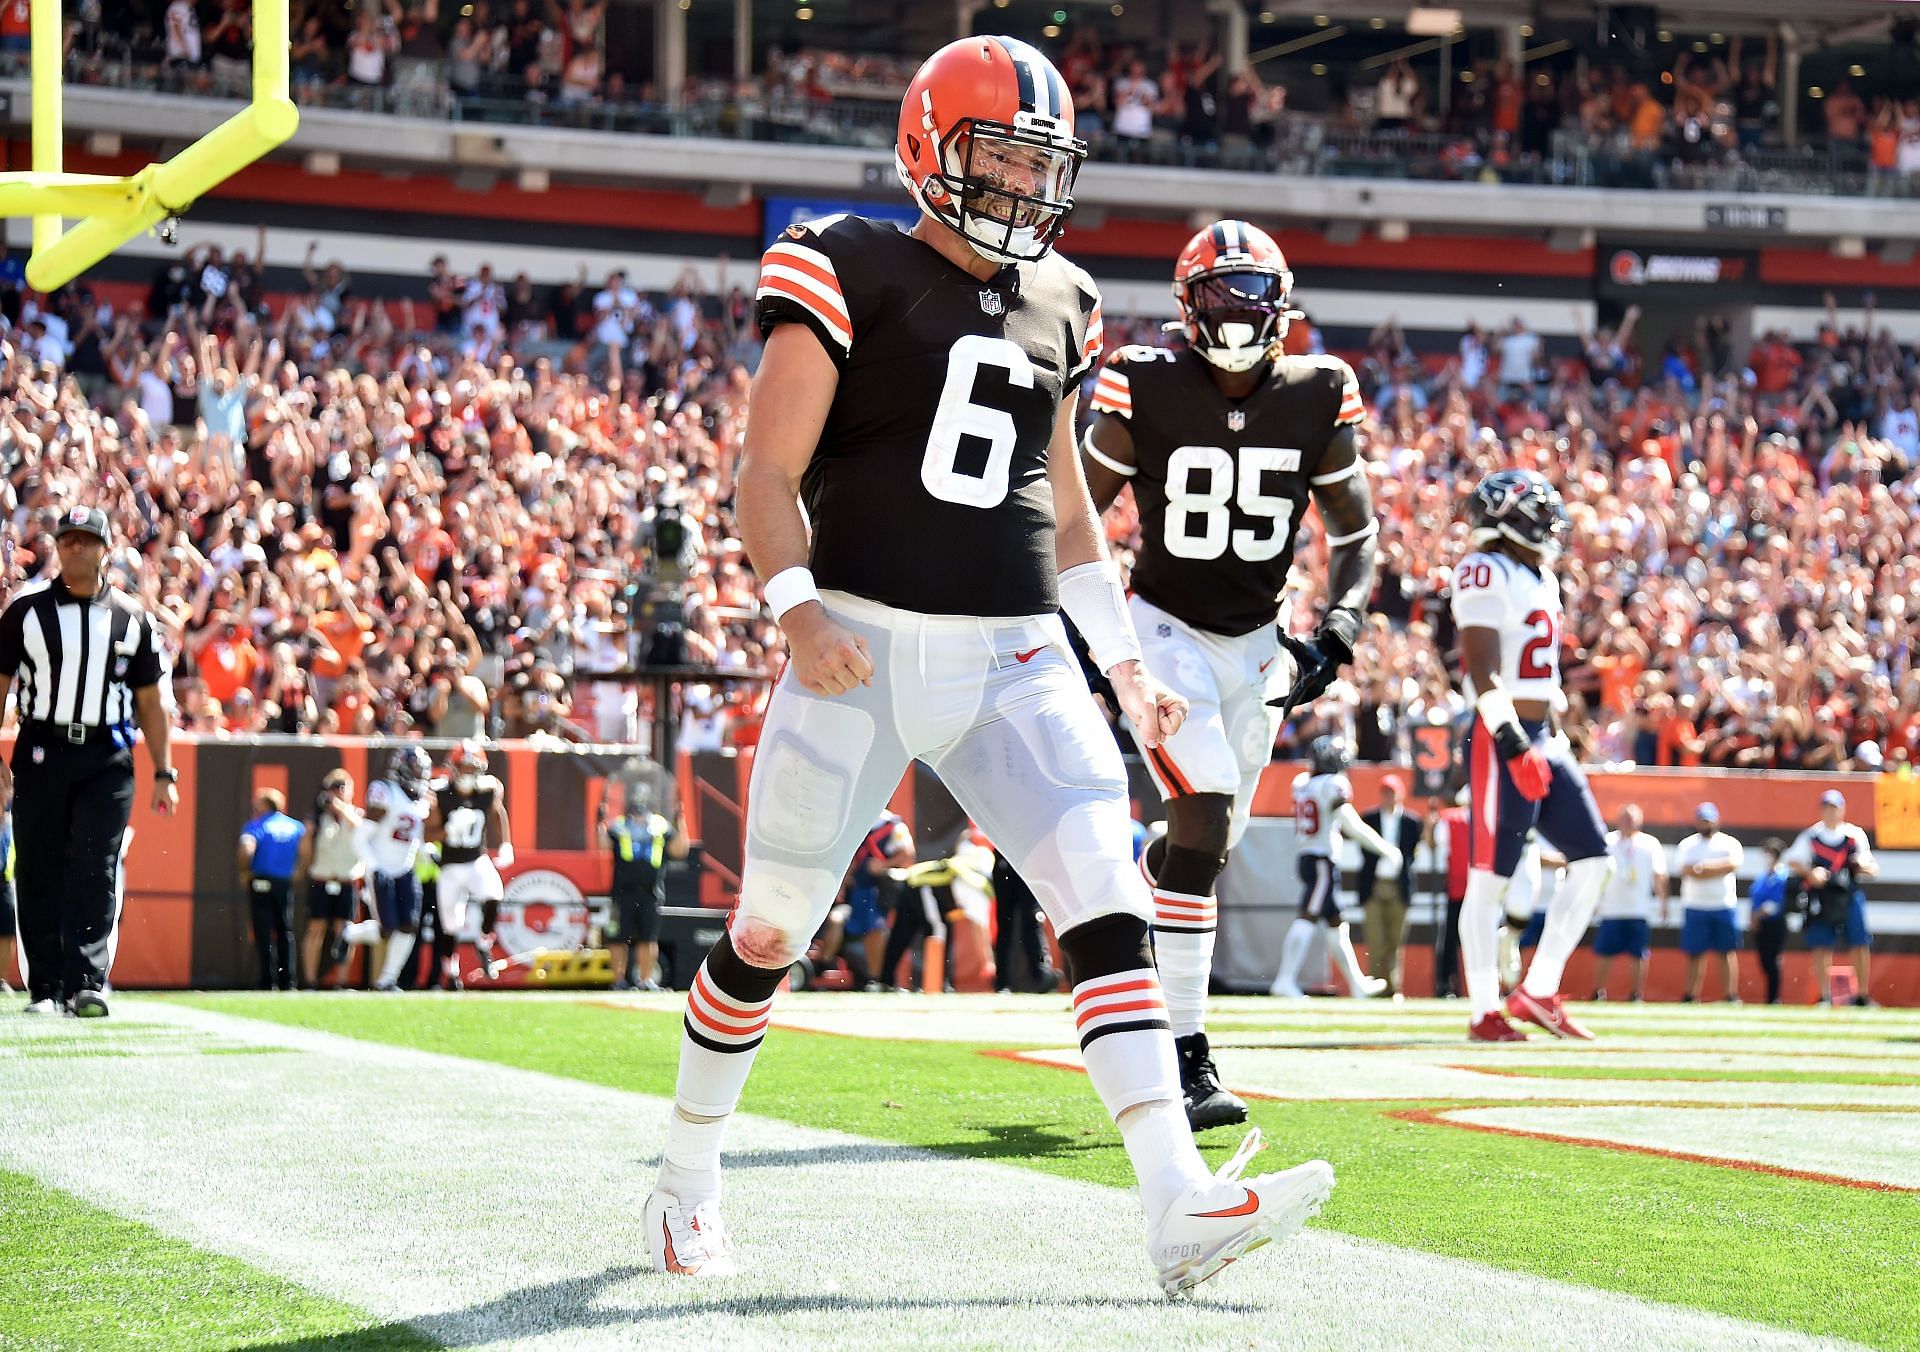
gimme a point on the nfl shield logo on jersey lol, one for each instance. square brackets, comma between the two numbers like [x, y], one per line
[992, 304]
[1236, 420]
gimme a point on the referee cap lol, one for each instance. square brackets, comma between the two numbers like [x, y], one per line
[85, 521]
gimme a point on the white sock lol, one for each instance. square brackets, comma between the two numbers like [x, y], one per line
[1160, 1145]
[1349, 961]
[1480, 916]
[727, 1012]
[1183, 934]
[1568, 915]
[361, 932]
[398, 947]
[690, 1165]
[1294, 952]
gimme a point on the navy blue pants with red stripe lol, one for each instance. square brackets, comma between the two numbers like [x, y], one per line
[1499, 816]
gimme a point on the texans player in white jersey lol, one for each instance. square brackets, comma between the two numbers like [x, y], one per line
[1226, 444]
[1322, 811]
[1521, 774]
[388, 838]
[469, 823]
[917, 396]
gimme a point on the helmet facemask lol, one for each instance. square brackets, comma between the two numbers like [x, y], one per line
[1006, 189]
[1235, 318]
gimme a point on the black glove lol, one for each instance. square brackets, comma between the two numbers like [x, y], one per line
[1317, 661]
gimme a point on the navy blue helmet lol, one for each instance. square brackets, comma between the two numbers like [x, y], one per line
[1521, 506]
[411, 768]
[1329, 755]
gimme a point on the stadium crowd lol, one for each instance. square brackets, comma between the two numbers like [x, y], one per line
[373, 523]
[1708, 119]
[431, 517]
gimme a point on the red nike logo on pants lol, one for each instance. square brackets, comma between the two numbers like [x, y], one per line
[1027, 656]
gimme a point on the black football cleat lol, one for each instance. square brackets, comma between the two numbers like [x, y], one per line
[1208, 1105]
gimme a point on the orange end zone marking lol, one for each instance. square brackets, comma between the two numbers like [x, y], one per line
[1438, 1117]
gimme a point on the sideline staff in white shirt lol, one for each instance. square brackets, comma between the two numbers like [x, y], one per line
[1626, 910]
[1706, 863]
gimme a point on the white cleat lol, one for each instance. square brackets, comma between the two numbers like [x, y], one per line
[1215, 1222]
[1286, 990]
[46, 1007]
[688, 1240]
[1371, 988]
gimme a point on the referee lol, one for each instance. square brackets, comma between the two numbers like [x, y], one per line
[85, 660]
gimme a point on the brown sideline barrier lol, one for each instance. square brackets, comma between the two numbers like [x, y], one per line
[185, 920]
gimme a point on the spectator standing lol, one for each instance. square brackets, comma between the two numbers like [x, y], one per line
[183, 34]
[1397, 97]
[1768, 900]
[269, 854]
[1520, 350]
[1134, 97]
[1637, 885]
[1388, 894]
[641, 843]
[1707, 862]
[1833, 857]
[616, 311]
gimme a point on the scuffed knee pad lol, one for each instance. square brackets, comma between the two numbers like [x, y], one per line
[781, 908]
[1106, 947]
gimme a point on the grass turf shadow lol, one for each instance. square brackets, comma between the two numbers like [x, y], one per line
[569, 1305]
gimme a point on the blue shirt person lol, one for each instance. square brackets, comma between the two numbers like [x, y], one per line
[270, 843]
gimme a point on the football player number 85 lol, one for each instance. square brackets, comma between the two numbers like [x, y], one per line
[959, 416]
[1201, 482]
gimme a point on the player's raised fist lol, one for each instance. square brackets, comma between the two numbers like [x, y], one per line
[828, 658]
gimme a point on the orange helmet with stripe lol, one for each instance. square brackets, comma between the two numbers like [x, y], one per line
[1236, 294]
[986, 146]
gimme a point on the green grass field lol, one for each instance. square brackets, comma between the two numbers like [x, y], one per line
[1754, 1244]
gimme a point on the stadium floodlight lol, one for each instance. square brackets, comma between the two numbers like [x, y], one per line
[113, 210]
[1428, 21]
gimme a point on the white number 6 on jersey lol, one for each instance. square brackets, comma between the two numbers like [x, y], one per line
[959, 416]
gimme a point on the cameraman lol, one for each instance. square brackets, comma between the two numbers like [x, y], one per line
[1831, 857]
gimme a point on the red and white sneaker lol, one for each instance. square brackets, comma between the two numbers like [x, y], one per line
[1493, 1027]
[1216, 1221]
[1548, 1012]
[688, 1240]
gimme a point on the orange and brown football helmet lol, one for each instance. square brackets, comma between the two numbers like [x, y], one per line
[986, 146]
[1236, 294]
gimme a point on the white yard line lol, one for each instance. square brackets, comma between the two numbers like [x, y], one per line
[486, 1205]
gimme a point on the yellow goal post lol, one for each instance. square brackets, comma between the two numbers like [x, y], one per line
[110, 211]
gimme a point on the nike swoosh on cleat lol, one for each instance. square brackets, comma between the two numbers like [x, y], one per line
[1246, 1208]
[1027, 656]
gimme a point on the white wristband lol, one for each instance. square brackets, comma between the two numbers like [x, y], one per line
[788, 588]
[1495, 707]
[1094, 600]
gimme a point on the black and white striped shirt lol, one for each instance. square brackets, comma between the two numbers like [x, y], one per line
[78, 660]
